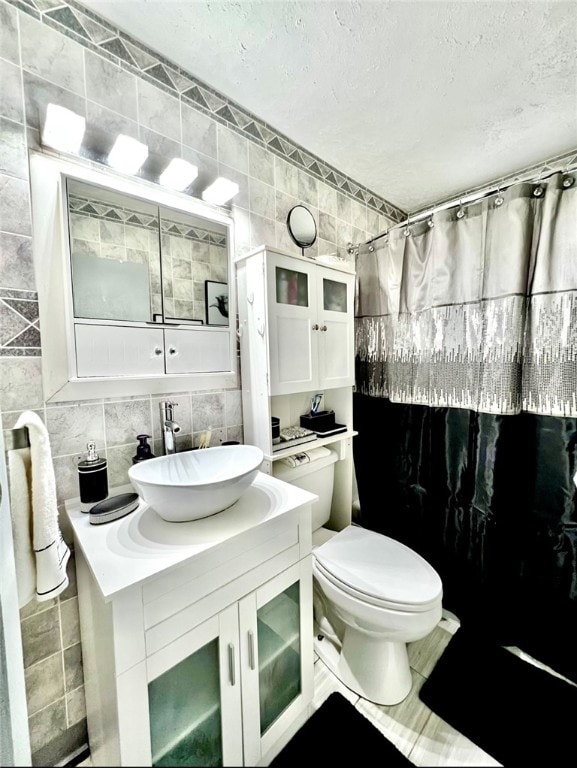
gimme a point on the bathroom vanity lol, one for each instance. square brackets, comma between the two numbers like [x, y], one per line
[197, 637]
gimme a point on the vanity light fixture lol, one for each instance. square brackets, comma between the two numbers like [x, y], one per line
[63, 129]
[178, 174]
[127, 155]
[220, 191]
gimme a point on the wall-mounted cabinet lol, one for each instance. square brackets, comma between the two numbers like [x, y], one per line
[297, 339]
[124, 269]
[310, 325]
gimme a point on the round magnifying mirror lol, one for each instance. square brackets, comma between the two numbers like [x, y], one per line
[302, 227]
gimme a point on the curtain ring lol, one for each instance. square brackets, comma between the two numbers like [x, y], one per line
[461, 211]
[499, 200]
[407, 227]
[386, 237]
[568, 181]
[539, 190]
[430, 223]
[371, 248]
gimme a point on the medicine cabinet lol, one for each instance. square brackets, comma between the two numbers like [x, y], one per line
[133, 285]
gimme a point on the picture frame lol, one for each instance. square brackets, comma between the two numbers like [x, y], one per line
[216, 302]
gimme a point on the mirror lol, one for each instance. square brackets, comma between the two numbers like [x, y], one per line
[302, 227]
[135, 261]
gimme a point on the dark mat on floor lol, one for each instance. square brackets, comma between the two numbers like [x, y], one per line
[516, 712]
[334, 734]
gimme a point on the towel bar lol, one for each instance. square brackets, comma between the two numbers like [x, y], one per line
[16, 438]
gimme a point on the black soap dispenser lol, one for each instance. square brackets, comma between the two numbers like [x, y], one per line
[143, 451]
[92, 478]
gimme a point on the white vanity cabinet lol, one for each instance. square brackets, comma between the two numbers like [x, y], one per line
[197, 638]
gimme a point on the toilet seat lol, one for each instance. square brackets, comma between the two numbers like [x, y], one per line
[378, 570]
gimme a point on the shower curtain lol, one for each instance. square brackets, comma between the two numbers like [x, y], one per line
[466, 408]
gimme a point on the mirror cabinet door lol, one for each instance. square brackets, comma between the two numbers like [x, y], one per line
[194, 260]
[136, 262]
[114, 252]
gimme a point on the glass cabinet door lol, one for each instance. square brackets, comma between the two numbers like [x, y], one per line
[291, 287]
[185, 711]
[334, 296]
[279, 654]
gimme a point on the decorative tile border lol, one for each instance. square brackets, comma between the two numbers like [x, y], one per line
[19, 329]
[95, 33]
[97, 210]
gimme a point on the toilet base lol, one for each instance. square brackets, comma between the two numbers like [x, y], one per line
[378, 671]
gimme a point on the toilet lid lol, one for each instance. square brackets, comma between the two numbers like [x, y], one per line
[379, 569]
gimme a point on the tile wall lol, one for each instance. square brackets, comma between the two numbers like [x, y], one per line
[51, 51]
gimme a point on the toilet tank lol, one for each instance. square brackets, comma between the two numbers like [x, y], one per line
[317, 477]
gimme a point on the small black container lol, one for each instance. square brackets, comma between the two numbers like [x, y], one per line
[92, 478]
[275, 429]
[323, 421]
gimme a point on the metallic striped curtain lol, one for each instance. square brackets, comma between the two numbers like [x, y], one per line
[475, 311]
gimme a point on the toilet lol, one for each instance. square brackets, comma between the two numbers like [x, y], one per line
[372, 594]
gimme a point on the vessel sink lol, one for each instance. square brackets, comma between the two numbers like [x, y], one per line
[196, 484]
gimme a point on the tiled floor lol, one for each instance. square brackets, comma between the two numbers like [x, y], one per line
[411, 726]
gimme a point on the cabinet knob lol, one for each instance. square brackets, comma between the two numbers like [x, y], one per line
[172, 350]
[323, 328]
[315, 327]
[157, 351]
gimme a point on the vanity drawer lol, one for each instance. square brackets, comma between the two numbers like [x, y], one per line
[172, 592]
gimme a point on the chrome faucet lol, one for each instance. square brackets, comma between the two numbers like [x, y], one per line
[168, 426]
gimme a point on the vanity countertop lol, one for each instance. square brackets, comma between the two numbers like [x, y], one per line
[142, 545]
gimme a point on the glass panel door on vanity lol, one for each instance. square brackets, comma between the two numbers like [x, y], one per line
[279, 651]
[194, 696]
[276, 623]
[184, 702]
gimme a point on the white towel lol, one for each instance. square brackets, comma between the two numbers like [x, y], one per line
[306, 457]
[19, 472]
[35, 510]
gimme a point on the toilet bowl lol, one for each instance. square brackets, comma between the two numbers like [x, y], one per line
[372, 595]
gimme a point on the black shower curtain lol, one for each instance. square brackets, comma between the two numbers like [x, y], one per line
[488, 501]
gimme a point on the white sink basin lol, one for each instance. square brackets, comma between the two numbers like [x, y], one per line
[195, 484]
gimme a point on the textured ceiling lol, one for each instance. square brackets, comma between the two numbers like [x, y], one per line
[416, 100]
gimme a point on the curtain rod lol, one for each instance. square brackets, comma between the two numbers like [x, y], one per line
[463, 201]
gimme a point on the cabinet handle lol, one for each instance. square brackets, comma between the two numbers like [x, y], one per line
[157, 351]
[231, 673]
[323, 328]
[315, 327]
[251, 650]
[172, 350]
